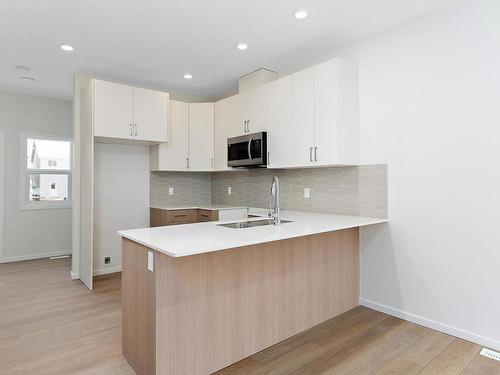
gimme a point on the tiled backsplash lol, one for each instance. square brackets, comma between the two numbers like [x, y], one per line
[348, 190]
[190, 188]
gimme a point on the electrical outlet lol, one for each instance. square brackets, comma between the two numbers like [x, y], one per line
[170, 191]
[229, 190]
[306, 193]
[107, 260]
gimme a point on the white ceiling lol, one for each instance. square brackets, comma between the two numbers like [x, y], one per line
[154, 42]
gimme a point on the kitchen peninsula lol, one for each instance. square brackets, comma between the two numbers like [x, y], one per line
[199, 297]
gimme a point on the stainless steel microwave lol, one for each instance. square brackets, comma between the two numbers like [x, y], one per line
[249, 150]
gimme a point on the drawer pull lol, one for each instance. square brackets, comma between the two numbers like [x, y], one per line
[180, 215]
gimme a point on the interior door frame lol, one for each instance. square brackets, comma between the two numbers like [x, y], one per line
[2, 192]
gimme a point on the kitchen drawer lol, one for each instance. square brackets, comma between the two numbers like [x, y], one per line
[157, 217]
[208, 215]
[181, 216]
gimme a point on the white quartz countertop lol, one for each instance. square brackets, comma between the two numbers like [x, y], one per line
[210, 207]
[199, 238]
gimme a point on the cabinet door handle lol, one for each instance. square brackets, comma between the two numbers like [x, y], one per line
[311, 154]
[131, 131]
[269, 158]
[248, 126]
[136, 130]
[245, 126]
[316, 153]
[187, 163]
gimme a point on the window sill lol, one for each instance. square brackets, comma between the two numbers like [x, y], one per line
[45, 206]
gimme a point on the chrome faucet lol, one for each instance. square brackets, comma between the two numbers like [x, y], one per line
[275, 210]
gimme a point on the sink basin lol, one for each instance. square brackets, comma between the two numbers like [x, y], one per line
[250, 224]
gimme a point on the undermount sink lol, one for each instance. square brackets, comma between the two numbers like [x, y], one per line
[250, 224]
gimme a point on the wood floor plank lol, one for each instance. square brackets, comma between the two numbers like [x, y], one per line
[51, 325]
[453, 359]
[343, 327]
[338, 353]
[386, 350]
[482, 365]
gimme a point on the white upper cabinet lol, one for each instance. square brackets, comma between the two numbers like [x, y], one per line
[280, 134]
[201, 136]
[322, 128]
[311, 118]
[150, 115]
[129, 113]
[191, 141]
[223, 125]
[113, 110]
[250, 111]
[336, 125]
[303, 118]
[174, 156]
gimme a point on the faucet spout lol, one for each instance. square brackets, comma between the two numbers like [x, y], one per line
[275, 195]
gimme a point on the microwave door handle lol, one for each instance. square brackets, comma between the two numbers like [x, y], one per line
[249, 149]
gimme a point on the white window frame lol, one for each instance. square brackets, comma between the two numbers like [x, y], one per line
[26, 204]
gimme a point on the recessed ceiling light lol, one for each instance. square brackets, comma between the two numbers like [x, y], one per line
[242, 46]
[300, 14]
[66, 47]
[188, 76]
[26, 78]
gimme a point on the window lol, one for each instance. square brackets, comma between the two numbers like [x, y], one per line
[46, 177]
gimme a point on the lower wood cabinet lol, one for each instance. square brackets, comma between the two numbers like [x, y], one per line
[181, 217]
[161, 217]
[157, 217]
[208, 215]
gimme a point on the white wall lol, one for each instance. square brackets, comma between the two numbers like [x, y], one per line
[32, 233]
[430, 107]
[123, 170]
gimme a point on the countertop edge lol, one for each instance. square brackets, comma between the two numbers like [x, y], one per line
[249, 243]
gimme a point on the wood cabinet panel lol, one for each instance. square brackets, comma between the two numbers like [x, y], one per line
[181, 216]
[163, 217]
[208, 215]
[224, 306]
[157, 217]
[138, 309]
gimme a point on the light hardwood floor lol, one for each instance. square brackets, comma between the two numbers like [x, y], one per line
[52, 325]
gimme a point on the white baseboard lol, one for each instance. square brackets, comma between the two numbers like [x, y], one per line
[75, 275]
[453, 331]
[105, 271]
[35, 256]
